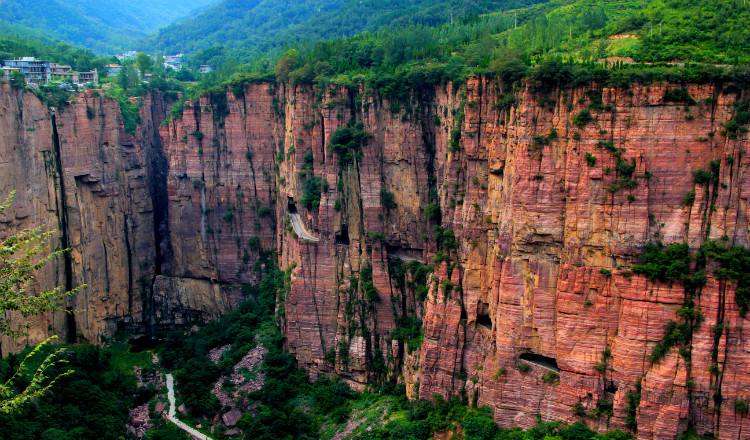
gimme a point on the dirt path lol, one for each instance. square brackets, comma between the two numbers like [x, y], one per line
[171, 415]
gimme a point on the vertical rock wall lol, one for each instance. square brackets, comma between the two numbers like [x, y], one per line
[221, 194]
[530, 213]
[79, 174]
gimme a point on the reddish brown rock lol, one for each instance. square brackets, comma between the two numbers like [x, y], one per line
[536, 219]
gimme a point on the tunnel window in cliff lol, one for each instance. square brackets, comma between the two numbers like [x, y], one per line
[539, 360]
[342, 236]
[483, 315]
[291, 206]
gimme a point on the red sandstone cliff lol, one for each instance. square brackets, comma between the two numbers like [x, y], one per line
[77, 172]
[545, 234]
[535, 225]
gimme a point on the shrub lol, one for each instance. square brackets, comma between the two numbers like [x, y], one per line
[689, 198]
[741, 407]
[523, 367]
[551, 377]
[590, 159]
[737, 126]
[680, 95]
[702, 177]
[664, 263]
[634, 401]
[388, 199]
[432, 212]
[347, 142]
[408, 330]
[583, 118]
[312, 188]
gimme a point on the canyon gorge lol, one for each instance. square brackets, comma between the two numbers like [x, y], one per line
[505, 221]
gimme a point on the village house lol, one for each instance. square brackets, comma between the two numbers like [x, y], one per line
[113, 69]
[173, 62]
[42, 72]
[129, 55]
[35, 71]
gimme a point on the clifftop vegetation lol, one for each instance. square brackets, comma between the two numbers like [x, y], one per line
[557, 41]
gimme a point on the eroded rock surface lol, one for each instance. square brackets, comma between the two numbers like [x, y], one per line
[168, 225]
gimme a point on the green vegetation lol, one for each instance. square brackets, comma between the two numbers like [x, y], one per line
[408, 330]
[388, 199]
[664, 263]
[252, 323]
[733, 265]
[553, 43]
[89, 401]
[235, 32]
[676, 263]
[21, 255]
[15, 46]
[558, 42]
[634, 401]
[289, 406]
[523, 367]
[312, 185]
[738, 124]
[680, 96]
[367, 285]
[590, 160]
[583, 118]
[104, 25]
[347, 143]
[551, 378]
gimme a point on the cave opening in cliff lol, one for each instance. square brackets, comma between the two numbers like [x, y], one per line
[342, 236]
[542, 361]
[611, 387]
[291, 205]
[483, 315]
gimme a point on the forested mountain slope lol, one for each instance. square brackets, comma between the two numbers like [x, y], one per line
[250, 27]
[102, 25]
[578, 31]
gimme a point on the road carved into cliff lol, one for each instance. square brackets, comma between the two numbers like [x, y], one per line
[171, 414]
[300, 230]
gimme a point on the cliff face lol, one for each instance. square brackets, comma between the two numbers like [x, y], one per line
[221, 197]
[531, 205]
[78, 173]
[546, 243]
[550, 196]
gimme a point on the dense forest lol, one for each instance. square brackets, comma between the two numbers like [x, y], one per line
[104, 25]
[240, 30]
[560, 40]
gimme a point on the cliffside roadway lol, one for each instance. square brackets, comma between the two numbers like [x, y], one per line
[171, 415]
[299, 229]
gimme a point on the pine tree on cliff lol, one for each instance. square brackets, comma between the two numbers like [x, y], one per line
[22, 255]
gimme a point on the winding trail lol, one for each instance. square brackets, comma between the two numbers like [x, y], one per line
[171, 415]
[300, 230]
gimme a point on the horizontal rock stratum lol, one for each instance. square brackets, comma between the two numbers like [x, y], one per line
[549, 197]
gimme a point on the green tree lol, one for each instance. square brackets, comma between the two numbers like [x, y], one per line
[22, 255]
[144, 62]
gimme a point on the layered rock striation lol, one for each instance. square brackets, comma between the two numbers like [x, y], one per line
[472, 240]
